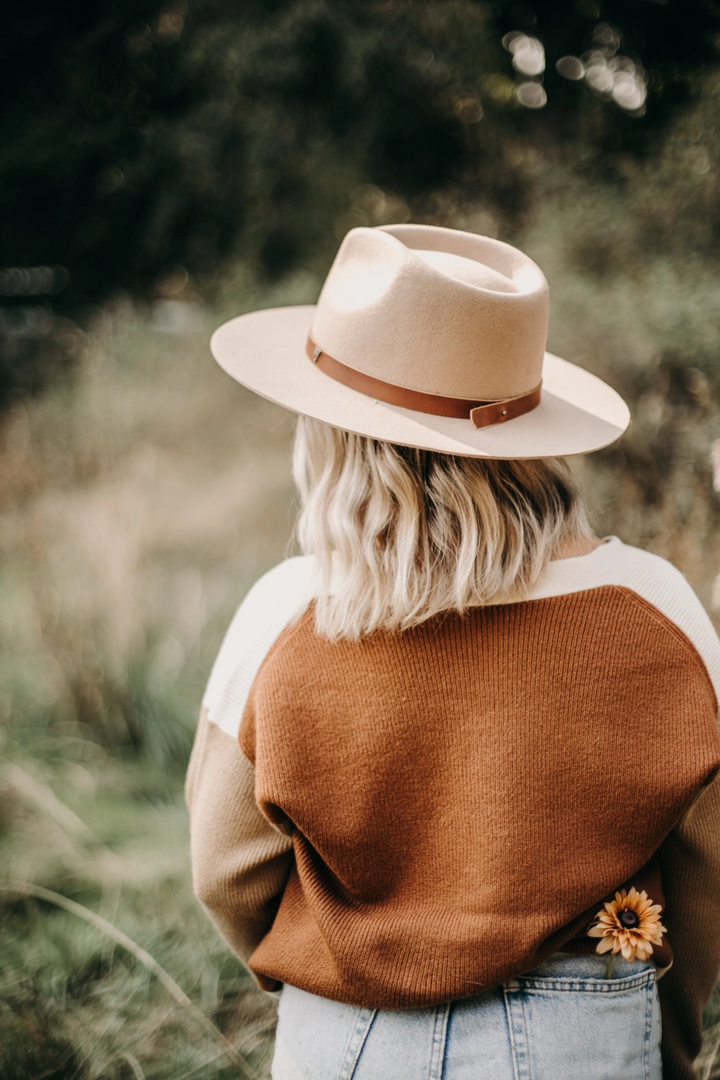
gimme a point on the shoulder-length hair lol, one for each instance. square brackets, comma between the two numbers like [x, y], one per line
[400, 534]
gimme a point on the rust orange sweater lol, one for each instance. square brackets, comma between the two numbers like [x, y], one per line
[447, 807]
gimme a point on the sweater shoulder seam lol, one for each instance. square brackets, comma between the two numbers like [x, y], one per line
[672, 628]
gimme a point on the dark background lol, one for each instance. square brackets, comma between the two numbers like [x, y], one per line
[139, 138]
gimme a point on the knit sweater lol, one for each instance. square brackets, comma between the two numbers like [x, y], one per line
[414, 818]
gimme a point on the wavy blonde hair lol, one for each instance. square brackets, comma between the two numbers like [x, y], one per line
[401, 534]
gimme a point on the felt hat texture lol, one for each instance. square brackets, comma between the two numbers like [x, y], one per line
[408, 311]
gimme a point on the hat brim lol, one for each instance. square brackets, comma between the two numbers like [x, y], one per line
[265, 351]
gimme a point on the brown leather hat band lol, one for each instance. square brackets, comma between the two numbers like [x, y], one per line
[482, 413]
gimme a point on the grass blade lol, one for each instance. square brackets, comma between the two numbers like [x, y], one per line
[24, 888]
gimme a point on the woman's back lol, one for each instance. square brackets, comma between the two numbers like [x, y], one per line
[418, 782]
[458, 796]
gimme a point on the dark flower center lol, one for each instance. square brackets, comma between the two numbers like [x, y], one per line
[629, 919]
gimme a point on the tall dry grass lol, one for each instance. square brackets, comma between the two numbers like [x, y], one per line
[137, 504]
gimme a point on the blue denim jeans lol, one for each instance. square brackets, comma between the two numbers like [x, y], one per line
[563, 1021]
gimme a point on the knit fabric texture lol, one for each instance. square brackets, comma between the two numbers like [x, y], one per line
[504, 771]
[433, 812]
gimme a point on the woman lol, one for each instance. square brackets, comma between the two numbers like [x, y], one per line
[453, 786]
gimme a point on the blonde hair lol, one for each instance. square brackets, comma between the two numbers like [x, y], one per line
[401, 534]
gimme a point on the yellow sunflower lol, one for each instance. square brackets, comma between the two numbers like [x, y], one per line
[629, 924]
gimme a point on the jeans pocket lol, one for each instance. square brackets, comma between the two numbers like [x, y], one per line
[575, 1027]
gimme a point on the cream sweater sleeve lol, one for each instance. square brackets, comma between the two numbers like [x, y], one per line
[240, 861]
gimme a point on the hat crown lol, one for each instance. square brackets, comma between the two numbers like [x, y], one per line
[435, 310]
[427, 337]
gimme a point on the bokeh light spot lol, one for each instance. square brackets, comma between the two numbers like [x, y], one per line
[531, 95]
[629, 92]
[570, 67]
[109, 180]
[528, 53]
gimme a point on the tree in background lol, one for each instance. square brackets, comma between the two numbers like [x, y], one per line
[150, 140]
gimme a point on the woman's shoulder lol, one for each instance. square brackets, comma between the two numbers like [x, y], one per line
[649, 576]
[277, 598]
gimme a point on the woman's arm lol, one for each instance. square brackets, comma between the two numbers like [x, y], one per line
[239, 861]
[690, 863]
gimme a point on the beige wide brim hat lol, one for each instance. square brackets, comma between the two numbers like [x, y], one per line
[416, 321]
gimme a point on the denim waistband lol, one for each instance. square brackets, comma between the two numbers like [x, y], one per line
[564, 1020]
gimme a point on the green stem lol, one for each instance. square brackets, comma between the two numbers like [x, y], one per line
[611, 965]
[24, 888]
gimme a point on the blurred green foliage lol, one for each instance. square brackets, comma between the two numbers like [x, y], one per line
[143, 142]
[137, 503]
